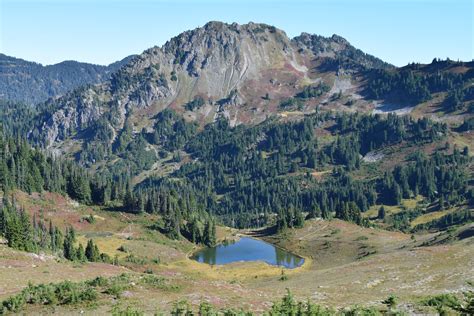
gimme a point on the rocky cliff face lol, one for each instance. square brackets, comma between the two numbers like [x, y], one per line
[241, 72]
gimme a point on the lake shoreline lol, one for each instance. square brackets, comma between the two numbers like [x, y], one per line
[282, 258]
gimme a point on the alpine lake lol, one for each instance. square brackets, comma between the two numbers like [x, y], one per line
[248, 249]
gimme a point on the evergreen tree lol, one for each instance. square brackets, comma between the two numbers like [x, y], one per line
[68, 245]
[209, 235]
[92, 252]
[80, 254]
[381, 213]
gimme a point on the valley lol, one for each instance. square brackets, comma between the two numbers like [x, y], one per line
[343, 263]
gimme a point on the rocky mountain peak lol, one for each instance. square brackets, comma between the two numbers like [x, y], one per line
[233, 68]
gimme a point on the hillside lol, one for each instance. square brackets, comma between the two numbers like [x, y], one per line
[346, 265]
[28, 82]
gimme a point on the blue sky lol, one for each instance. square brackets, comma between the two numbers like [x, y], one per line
[103, 31]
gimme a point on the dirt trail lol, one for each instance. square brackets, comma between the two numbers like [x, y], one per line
[312, 232]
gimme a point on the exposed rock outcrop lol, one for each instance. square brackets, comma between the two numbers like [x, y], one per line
[233, 66]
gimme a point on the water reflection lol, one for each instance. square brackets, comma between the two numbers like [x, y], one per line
[209, 256]
[248, 249]
[287, 259]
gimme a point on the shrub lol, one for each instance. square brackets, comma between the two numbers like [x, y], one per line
[90, 219]
[63, 293]
[98, 281]
[442, 300]
[115, 290]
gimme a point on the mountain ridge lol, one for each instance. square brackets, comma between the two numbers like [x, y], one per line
[31, 82]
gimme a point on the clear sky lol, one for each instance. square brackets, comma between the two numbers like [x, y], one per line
[103, 31]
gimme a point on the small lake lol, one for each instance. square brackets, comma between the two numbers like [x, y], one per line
[248, 249]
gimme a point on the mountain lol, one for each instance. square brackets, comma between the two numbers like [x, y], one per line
[245, 73]
[240, 113]
[31, 83]
[242, 72]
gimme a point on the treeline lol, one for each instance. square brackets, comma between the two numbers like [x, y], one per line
[376, 131]
[33, 235]
[308, 92]
[196, 103]
[467, 125]
[313, 91]
[415, 84]
[246, 175]
[171, 131]
[182, 213]
[31, 83]
[130, 151]
[448, 220]
[251, 176]
[439, 177]
[16, 117]
[133, 150]
[30, 170]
